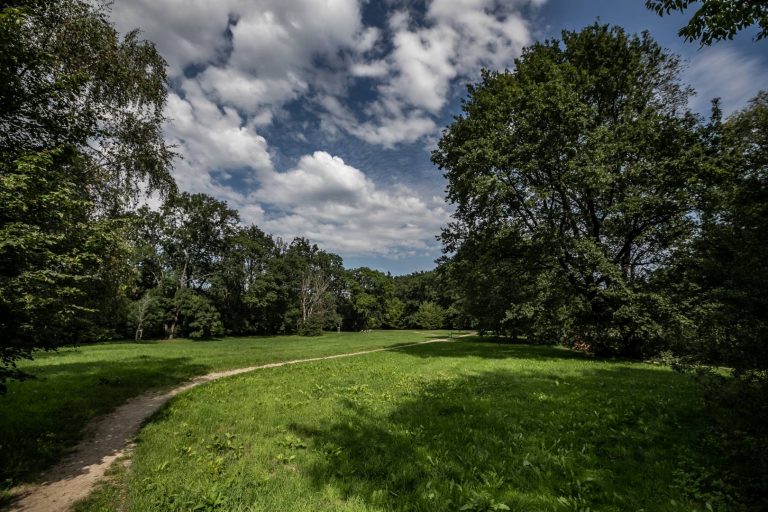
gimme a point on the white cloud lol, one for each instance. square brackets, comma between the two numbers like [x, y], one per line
[318, 178]
[211, 139]
[236, 64]
[725, 73]
[253, 55]
[417, 77]
[342, 209]
[272, 36]
[394, 128]
[249, 93]
[376, 68]
[185, 31]
[424, 63]
[322, 198]
[258, 55]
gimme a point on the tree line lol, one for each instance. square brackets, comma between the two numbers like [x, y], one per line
[593, 208]
[194, 270]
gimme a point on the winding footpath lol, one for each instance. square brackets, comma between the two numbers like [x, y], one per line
[108, 438]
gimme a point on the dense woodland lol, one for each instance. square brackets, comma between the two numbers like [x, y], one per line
[195, 271]
[592, 209]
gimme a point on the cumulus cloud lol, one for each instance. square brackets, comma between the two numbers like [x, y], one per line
[237, 66]
[417, 76]
[186, 32]
[341, 208]
[257, 56]
[212, 136]
[322, 198]
[725, 73]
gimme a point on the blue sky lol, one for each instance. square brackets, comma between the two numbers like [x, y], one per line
[316, 118]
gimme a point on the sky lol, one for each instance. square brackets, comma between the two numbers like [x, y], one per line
[316, 118]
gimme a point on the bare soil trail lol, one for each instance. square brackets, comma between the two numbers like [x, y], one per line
[108, 438]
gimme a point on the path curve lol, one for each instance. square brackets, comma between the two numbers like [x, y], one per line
[75, 476]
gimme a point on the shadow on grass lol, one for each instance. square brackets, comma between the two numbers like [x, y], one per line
[42, 417]
[484, 348]
[595, 440]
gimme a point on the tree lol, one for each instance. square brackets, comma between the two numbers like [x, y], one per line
[81, 112]
[196, 231]
[194, 315]
[140, 312]
[429, 316]
[314, 300]
[725, 269]
[313, 280]
[246, 289]
[716, 19]
[412, 290]
[181, 247]
[581, 162]
[371, 302]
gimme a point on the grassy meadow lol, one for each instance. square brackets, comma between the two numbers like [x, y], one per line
[468, 426]
[41, 417]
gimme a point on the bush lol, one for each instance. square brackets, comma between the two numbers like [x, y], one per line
[198, 317]
[429, 316]
[311, 327]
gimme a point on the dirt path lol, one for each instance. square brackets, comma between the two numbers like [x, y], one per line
[108, 437]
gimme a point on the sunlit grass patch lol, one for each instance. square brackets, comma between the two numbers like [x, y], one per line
[463, 426]
[41, 417]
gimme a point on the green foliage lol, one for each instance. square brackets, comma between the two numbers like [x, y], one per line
[179, 251]
[573, 181]
[372, 303]
[197, 317]
[429, 316]
[54, 256]
[722, 275]
[313, 326]
[248, 288]
[81, 111]
[715, 20]
[315, 280]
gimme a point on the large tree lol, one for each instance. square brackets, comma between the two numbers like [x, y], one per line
[312, 282]
[580, 161]
[371, 300]
[81, 111]
[180, 251]
[246, 289]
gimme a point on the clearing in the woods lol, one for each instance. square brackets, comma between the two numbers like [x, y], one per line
[467, 425]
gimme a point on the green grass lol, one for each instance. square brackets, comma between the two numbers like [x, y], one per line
[42, 417]
[464, 426]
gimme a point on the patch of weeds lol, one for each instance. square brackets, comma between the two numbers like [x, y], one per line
[225, 444]
[483, 502]
[292, 442]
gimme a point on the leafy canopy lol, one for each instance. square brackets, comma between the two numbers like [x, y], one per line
[80, 136]
[577, 169]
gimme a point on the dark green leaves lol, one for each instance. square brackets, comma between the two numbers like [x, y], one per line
[715, 20]
[574, 171]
